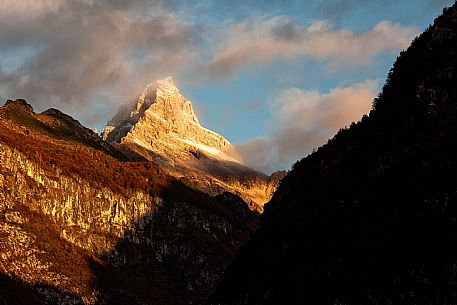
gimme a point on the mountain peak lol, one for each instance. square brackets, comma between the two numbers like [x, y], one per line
[60, 115]
[167, 81]
[20, 103]
[160, 125]
[165, 86]
[162, 116]
[162, 89]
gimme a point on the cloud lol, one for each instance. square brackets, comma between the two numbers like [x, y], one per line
[28, 7]
[304, 120]
[81, 51]
[260, 41]
[86, 56]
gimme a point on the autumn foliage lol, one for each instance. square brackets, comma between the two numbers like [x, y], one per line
[76, 159]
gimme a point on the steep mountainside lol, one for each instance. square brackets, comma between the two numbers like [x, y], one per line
[371, 217]
[160, 125]
[79, 226]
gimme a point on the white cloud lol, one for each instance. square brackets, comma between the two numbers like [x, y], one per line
[72, 53]
[304, 120]
[261, 41]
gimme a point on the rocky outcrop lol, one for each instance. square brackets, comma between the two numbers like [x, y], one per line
[124, 233]
[89, 218]
[20, 103]
[161, 126]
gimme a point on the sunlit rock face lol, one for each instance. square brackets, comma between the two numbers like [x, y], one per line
[163, 121]
[80, 226]
[160, 125]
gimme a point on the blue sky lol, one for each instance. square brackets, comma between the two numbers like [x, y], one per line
[277, 78]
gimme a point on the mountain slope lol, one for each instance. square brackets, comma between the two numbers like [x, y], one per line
[161, 126]
[371, 217]
[53, 122]
[79, 226]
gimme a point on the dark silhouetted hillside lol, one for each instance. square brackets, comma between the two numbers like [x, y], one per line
[371, 217]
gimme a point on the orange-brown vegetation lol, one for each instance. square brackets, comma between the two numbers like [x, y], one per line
[67, 259]
[63, 241]
[81, 161]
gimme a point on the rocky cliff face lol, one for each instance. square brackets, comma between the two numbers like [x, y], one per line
[161, 126]
[78, 226]
[163, 121]
[371, 217]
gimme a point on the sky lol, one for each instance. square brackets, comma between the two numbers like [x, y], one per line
[277, 78]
